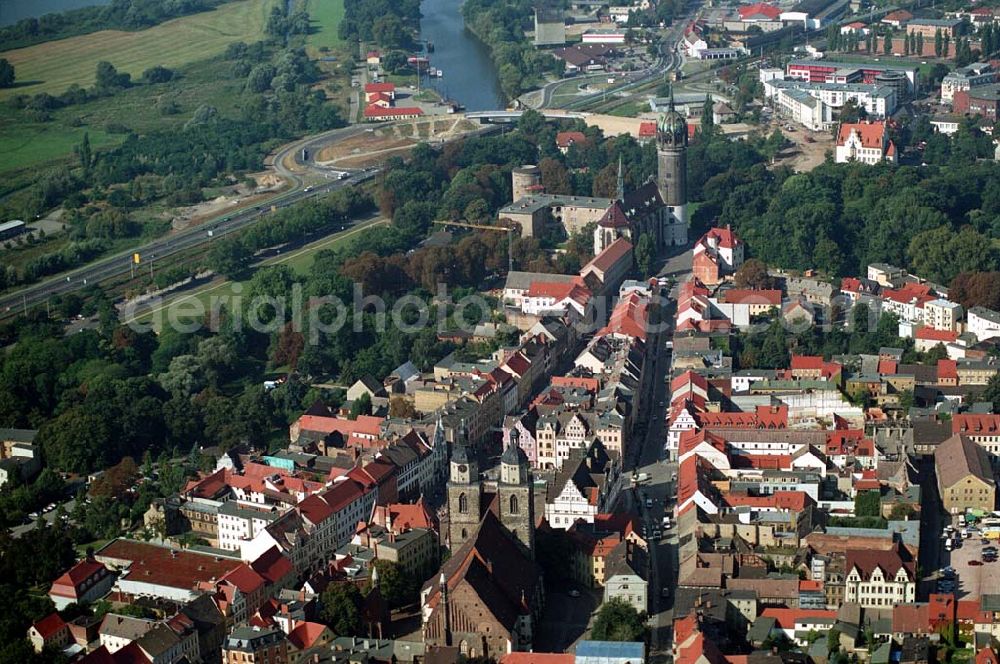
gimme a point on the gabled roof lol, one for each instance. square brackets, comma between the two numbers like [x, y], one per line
[958, 457]
[871, 134]
[564, 139]
[613, 217]
[306, 634]
[890, 561]
[612, 254]
[380, 87]
[49, 625]
[759, 10]
[724, 237]
[68, 585]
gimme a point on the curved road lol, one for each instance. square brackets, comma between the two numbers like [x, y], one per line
[121, 264]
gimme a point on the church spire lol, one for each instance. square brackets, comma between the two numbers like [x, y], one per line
[621, 179]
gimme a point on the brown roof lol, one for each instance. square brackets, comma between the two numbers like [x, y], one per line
[783, 588]
[164, 566]
[889, 561]
[494, 566]
[958, 457]
[615, 252]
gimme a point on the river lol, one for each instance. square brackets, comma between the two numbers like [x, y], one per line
[12, 11]
[469, 77]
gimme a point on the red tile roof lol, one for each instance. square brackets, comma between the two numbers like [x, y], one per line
[306, 634]
[647, 129]
[628, 319]
[49, 626]
[68, 585]
[617, 251]
[725, 237]
[931, 334]
[244, 578]
[782, 500]
[365, 425]
[273, 566]
[759, 9]
[786, 618]
[752, 296]
[380, 87]
[165, 566]
[973, 424]
[564, 139]
[557, 290]
[614, 217]
[987, 656]
[947, 369]
[871, 134]
[898, 15]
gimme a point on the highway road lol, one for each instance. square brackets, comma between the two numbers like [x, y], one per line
[121, 264]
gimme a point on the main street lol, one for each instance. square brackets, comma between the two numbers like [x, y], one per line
[661, 487]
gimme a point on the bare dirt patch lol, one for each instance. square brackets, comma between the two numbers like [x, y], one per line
[808, 149]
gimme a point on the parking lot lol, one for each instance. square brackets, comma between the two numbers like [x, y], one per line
[973, 580]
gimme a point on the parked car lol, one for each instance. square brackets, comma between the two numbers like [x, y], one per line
[975, 563]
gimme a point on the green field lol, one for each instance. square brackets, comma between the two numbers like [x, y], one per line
[326, 15]
[24, 145]
[54, 66]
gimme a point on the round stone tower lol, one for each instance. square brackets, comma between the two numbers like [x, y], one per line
[525, 181]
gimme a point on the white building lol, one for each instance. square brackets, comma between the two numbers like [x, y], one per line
[879, 579]
[588, 484]
[983, 322]
[240, 523]
[864, 142]
[963, 78]
[877, 100]
[942, 314]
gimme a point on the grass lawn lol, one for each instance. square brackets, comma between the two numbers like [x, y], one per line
[326, 15]
[24, 145]
[54, 66]
[630, 109]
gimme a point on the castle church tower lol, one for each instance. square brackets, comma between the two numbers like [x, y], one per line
[465, 495]
[671, 176]
[516, 495]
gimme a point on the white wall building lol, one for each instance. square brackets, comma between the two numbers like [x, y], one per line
[983, 322]
[942, 314]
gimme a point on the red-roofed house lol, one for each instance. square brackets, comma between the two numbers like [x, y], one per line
[565, 139]
[981, 428]
[897, 18]
[376, 113]
[628, 319]
[717, 253]
[86, 581]
[987, 656]
[611, 265]
[308, 635]
[361, 432]
[647, 131]
[49, 632]
[908, 301]
[759, 12]
[814, 367]
[947, 372]
[373, 89]
[552, 296]
[864, 142]
[926, 338]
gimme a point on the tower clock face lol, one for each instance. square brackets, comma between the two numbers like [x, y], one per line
[463, 468]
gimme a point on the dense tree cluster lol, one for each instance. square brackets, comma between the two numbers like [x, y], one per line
[617, 620]
[500, 24]
[116, 15]
[389, 23]
[936, 221]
